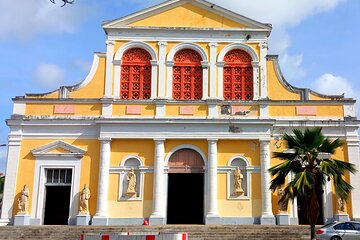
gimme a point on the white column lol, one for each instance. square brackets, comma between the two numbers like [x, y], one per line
[162, 69]
[294, 219]
[328, 203]
[213, 53]
[212, 215]
[158, 214]
[109, 68]
[117, 76]
[267, 216]
[263, 70]
[12, 164]
[154, 79]
[353, 157]
[103, 183]
[205, 68]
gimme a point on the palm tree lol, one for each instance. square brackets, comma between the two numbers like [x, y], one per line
[308, 157]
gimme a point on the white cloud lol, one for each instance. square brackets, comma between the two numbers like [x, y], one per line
[21, 19]
[330, 84]
[48, 75]
[291, 66]
[336, 85]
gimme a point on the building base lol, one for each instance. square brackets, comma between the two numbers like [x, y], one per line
[5, 222]
[212, 219]
[22, 220]
[282, 219]
[342, 217]
[99, 221]
[156, 220]
[83, 220]
[267, 220]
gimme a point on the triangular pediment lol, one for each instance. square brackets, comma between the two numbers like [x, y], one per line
[186, 13]
[58, 148]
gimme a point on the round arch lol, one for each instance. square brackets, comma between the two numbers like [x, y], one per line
[185, 146]
[135, 44]
[238, 157]
[123, 161]
[189, 45]
[240, 46]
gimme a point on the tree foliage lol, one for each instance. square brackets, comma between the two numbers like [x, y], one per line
[305, 159]
[1, 185]
[64, 2]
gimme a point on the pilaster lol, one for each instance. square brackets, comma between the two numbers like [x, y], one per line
[353, 157]
[263, 70]
[14, 144]
[109, 69]
[162, 69]
[212, 66]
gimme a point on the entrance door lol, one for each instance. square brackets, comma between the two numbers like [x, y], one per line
[57, 196]
[186, 199]
[185, 188]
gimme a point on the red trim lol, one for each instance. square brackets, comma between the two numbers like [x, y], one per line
[238, 76]
[150, 237]
[135, 80]
[187, 75]
[105, 237]
[82, 237]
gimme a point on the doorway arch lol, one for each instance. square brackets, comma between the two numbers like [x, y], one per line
[186, 187]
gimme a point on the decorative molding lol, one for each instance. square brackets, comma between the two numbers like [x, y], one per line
[45, 151]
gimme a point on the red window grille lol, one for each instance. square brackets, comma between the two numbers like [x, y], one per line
[135, 74]
[238, 76]
[187, 75]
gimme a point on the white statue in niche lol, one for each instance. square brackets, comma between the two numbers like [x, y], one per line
[23, 201]
[238, 177]
[282, 207]
[131, 178]
[84, 201]
[341, 206]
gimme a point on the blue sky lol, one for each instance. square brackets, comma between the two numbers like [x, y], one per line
[44, 46]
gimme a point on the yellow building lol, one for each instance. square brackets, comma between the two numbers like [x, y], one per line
[184, 95]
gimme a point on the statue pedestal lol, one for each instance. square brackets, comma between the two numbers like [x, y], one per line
[83, 220]
[342, 217]
[21, 220]
[282, 219]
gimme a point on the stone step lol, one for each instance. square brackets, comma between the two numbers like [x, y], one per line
[196, 232]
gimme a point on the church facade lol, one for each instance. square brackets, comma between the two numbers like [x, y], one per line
[175, 123]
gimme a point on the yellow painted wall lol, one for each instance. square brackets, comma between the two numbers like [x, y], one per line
[322, 111]
[317, 98]
[227, 149]
[89, 168]
[130, 209]
[174, 110]
[146, 110]
[96, 87]
[191, 16]
[276, 91]
[240, 207]
[54, 94]
[121, 148]
[47, 109]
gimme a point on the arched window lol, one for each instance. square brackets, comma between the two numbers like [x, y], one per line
[187, 75]
[238, 76]
[135, 80]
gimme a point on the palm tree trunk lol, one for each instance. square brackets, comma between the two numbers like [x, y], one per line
[313, 211]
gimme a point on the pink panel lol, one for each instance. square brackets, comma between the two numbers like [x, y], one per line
[306, 111]
[186, 110]
[133, 110]
[235, 109]
[64, 109]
